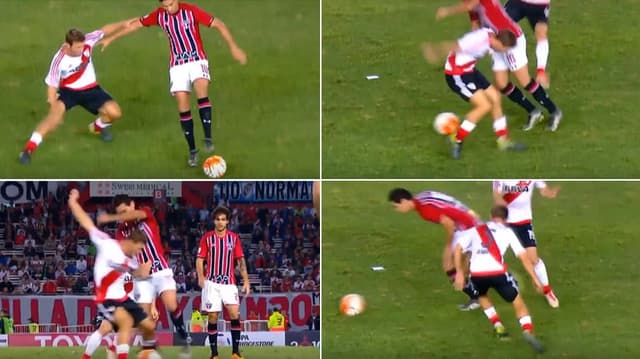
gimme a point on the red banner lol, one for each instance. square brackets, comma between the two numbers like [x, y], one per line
[75, 339]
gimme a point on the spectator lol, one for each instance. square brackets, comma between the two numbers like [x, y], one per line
[6, 286]
[81, 264]
[298, 285]
[287, 284]
[6, 322]
[4, 273]
[81, 284]
[29, 286]
[309, 284]
[82, 249]
[29, 250]
[181, 282]
[30, 241]
[313, 323]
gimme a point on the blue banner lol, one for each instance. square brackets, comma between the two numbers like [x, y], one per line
[264, 191]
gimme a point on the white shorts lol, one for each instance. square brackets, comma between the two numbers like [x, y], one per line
[147, 290]
[182, 76]
[214, 295]
[512, 59]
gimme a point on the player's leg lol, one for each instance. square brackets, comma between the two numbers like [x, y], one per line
[211, 303]
[100, 103]
[483, 284]
[124, 321]
[501, 81]
[201, 80]
[94, 340]
[166, 286]
[54, 118]
[500, 122]
[538, 16]
[232, 305]
[507, 287]
[180, 89]
[461, 84]
[450, 270]
[517, 61]
[144, 323]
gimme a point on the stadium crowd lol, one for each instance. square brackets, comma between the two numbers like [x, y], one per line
[42, 249]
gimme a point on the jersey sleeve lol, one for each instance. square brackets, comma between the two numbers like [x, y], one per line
[53, 77]
[203, 249]
[150, 19]
[465, 241]
[475, 41]
[93, 37]
[147, 211]
[513, 241]
[237, 249]
[201, 16]
[540, 184]
[497, 186]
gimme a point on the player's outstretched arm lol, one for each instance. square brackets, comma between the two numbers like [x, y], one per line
[135, 215]
[111, 29]
[130, 26]
[435, 52]
[462, 7]
[78, 212]
[236, 51]
[497, 198]
[549, 192]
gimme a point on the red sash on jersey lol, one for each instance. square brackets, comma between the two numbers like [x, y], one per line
[490, 244]
[511, 196]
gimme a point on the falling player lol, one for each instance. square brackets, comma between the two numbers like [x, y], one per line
[188, 65]
[517, 195]
[113, 261]
[161, 283]
[221, 249]
[537, 13]
[454, 216]
[469, 83]
[489, 13]
[487, 245]
[72, 81]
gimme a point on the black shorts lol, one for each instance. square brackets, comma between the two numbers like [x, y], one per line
[91, 99]
[504, 284]
[97, 321]
[518, 9]
[108, 308]
[466, 85]
[525, 234]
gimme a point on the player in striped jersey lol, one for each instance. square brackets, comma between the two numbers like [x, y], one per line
[537, 13]
[486, 246]
[491, 14]
[188, 66]
[469, 83]
[114, 260]
[221, 249]
[517, 195]
[161, 283]
[454, 216]
[71, 82]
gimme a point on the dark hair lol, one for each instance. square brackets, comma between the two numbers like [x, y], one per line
[222, 210]
[137, 236]
[74, 35]
[398, 194]
[121, 199]
[507, 37]
[501, 212]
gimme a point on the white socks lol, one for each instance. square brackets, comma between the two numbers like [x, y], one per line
[542, 54]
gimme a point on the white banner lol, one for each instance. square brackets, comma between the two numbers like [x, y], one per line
[134, 189]
[251, 339]
[25, 191]
[4, 340]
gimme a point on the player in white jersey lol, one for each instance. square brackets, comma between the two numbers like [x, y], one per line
[113, 261]
[537, 13]
[517, 195]
[468, 82]
[72, 81]
[488, 270]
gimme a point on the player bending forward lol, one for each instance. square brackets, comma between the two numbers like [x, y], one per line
[517, 196]
[72, 81]
[469, 83]
[113, 261]
[221, 249]
[486, 247]
[188, 65]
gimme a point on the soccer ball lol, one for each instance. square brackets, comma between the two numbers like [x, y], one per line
[446, 123]
[214, 166]
[352, 304]
[149, 354]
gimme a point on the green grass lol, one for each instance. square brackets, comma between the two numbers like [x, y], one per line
[383, 128]
[266, 114]
[168, 352]
[587, 238]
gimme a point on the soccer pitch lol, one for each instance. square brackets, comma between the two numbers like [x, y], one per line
[384, 128]
[587, 238]
[167, 352]
[265, 114]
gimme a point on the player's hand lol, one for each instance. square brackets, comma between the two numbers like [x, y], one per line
[104, 43]
[441, 13]
[246, 287]
[239, 55]
[429, 53]
[550, 192]
[458, 284]
[154, 312]
[74, 194]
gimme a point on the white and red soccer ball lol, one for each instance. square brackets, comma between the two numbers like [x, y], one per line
[352, 304]
[446, 123]
[214, 166]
